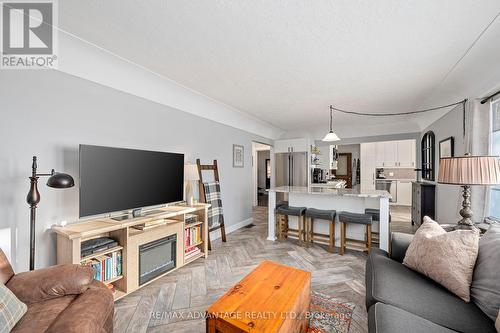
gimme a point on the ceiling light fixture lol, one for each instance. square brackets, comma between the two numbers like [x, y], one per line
[331, 136]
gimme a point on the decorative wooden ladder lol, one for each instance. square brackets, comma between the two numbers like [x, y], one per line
[214, 168]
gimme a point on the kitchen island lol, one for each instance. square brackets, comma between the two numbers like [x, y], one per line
[351, 200]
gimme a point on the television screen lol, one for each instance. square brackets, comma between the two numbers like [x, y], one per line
[117, 179]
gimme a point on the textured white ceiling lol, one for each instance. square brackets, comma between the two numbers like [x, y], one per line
[286, 61]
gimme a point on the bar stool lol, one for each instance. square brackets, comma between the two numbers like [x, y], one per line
[355, 218]
[282, 203]
[280, 219]
[321, 214]
[282, 213]
[375, 213]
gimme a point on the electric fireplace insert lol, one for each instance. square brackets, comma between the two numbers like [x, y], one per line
[156, 258]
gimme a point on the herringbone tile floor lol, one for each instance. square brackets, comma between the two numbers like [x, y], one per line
[175, 302]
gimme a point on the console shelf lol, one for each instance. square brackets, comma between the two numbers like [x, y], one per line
[195, 244]
[190, 225]
[70, 237]
[98, 254]
[113, 279]
[193, 258]
[119, 294]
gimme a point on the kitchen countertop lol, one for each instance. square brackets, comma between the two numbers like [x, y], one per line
[327, 190]
[332, 184]
[398, 179]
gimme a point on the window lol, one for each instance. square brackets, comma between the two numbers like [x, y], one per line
[428, 156]
[495, 151]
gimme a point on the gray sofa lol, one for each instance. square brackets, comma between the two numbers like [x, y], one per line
[399, 299]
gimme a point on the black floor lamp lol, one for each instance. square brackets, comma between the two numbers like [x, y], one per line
[56, 180]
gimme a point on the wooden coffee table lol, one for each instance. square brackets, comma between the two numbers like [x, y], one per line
[272, 298]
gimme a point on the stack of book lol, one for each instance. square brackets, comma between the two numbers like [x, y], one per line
[191, 252]
[106, 267]
[192, 236]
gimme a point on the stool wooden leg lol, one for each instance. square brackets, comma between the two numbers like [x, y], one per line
[331, 243]
[278, 226]
[369, 236]
[299, 227]
[284, 230]
[334, 234]
[306, 229]
[305, 235]
[283, 227]
[342, 238]
[280, 219]
[311, 230]
[307, 232]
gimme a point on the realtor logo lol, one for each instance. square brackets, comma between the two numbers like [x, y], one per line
[28, 36]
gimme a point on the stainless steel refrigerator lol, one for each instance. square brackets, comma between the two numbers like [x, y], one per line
[291, 170]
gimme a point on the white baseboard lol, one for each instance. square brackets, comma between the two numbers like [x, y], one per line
[231, 228]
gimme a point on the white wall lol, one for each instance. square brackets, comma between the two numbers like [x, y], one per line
[49, 113]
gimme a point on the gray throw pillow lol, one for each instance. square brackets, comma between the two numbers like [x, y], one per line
[485, 288]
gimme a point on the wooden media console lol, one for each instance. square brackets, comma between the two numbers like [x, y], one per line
[164, 222]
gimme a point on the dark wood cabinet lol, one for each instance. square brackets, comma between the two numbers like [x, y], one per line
[423, 201]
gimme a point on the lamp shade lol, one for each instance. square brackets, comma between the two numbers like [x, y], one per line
[331, 136]
[191, 172]
[60, 180]
[469, 170]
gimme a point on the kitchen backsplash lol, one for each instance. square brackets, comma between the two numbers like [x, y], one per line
[400, 173]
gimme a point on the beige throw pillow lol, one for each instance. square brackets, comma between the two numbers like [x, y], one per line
[446, 257]
[497, 324]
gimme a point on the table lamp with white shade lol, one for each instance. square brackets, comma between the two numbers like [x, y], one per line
[190, 175]
[467, 171]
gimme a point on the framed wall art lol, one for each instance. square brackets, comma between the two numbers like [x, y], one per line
[238, 156]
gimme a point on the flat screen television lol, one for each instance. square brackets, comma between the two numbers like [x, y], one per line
[118, 179]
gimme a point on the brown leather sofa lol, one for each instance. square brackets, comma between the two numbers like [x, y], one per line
[62, 298]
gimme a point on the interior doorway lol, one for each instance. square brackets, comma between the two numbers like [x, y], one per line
[344, 168]
[262, 172]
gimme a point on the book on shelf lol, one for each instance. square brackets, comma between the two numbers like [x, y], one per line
[195, 250]
[191, 249]
[192, 235]
[106, 267]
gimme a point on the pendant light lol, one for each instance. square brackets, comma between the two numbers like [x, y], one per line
[331, 136]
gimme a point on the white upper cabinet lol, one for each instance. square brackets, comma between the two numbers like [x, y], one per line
[380, 153]
[392, 154]
[406, 153]
[291, 145]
